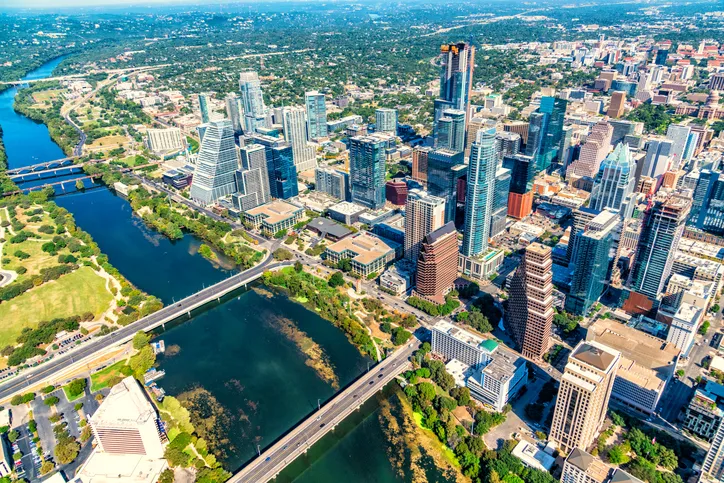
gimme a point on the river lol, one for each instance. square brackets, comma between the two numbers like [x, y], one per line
[238, 361]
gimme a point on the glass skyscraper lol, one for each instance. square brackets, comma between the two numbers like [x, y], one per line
[204, 107]
[367, 166]
[545, 132]
[451, 130]
[252, 101]
[281, 171]
[316, 115]
[479, 193]
[444, 168]
[614, 181]
[500, 202]
[217, 162]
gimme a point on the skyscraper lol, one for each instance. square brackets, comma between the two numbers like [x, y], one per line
[597, 146]
[530, 306]
[679, 137]
[419, 163]
[545, 131]
[658, 153]
[333, 182]
[367, 170]
[316, 114]
[522, 172]
[479, 194]
[252, 101]
[614, 181]
[295, 132]
[618, 102]
[437, 263]
[590, 262]
[281, 170]
[707, 211]
[214, 173]
[386, 120]
[506, 144]
[500, 202]
[662, 229]
[583, 395]
[444, 168]
[424, 214]
[456, 74]
[204, 107]
[451, 130]
[235, 112]
[252, 180]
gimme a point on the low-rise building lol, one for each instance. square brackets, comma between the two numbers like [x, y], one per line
[346, 212]
[330, 229]
[367, 253]
[532, 457]
[274, 216]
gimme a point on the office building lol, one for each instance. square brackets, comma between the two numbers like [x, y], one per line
[530, 306]
[235, 112]
[506, 144]
[333, 182]
[657, 161]
[126, 423]
[479, 193]
[662, 229]
[367, 170]
[444, 168]
[252, 180]
[316, 115]
[707, 210]
[217, 162]
[204, 107]
[522, 171]
[712, 470]
[165, 140]
[295, 132]
[252, 101]
[616, 107]
[452, 342]
[419, 163]
[451, 130]
[396, 192]
[386, 120]
[684, 327]
[499, 208]
[614, 181]
[590, 262]
[366, 252]
[275, 216]
[555, 110]
[623, 128]
[583, 395]
[582, 467]
[456, 74]
[704, 412]
[437, 263]
[533, 457]
[281, 169]
[679, 137]
[597, 146]
[424, 214]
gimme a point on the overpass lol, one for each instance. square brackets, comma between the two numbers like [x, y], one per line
[86, 352]
[275, 458]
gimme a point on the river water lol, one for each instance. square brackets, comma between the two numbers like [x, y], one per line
[235, 361]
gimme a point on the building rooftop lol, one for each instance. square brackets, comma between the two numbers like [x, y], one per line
[275, 211]
[594, 467]
[458, 370]
[444, 230]
[532, 457]
[347, 208]
[108, 467]
[620, 476]
[325, 225]
[595, 354]
[459, 334]
[503, 365]
[125, 406]
[688, 313]
[366, 247]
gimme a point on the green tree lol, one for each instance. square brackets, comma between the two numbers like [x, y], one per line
[617, 456]
[176, 456]
[345, 264]
[166, 476]
[298, 266]
[77, 387]
[142, 362]
[13, 436]
[141, 340]
[400, 336]
[51, 401]
[426, 391]
[46, 467]
[336, 280]
[66, 451]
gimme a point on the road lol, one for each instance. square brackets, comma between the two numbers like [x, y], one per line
[278, 456]
[86, 351]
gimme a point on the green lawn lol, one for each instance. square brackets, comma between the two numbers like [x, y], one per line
[102, 379]
[71, 399]
[72, 294]
[38, 258]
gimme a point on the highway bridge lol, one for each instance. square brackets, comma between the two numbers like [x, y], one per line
[86, 352]
[275, 458]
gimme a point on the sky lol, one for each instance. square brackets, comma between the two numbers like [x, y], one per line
[62, 4]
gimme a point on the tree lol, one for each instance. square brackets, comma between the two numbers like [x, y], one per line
[345, 264]
[426, 391]
[166, 476]
[298, 266]
[46, 467]
[66, 451]
[52, 400]
[336, 280]
[17, 400]
[282, 254]
[77, 387]
[140, 340]
[715, 308]
[13, 436]
[142, 362]
[400, 336]
[617, 456]
[176, 456]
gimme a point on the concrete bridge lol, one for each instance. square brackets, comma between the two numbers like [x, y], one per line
[45, 79]
[56, 163]
[286, 449]
[46, 173]
[85, 353]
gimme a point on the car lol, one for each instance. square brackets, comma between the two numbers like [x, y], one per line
[354, 396]
[319, 417]
[322, 425]
[284, 447]
[372, 382]
[380, 375]
[268, 458]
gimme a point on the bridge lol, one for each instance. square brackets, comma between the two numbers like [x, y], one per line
[85, 353]
[62, 184]
[56, 163]
[45, 79]
[36, 175]
[275, 458]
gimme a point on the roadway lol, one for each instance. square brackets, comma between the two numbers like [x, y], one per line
[87, 351]
[274, 459]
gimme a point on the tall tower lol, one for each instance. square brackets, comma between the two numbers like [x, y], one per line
[386, 120]
[456, 74]
[204, 107]
[530, 306]
[614, 181]
[235, 112]
[281, 171]
[437, 263]
[252, 101]
[662, 229]
[367, 170]
[618, 102]
[479, 195]
[424, 214]
[316, 115]
[214, 173]
[444, 168]
[451, 130]
[295, 132]
[583, 395]
[252, 180]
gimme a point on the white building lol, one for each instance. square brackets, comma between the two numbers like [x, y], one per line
[684, 326]
[295, 133]
[386, 120]
[164, 140]
[532, 457]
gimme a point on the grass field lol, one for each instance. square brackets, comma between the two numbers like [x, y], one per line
[72, 294]
[132, 161]
[37, 261]
[109, 141]
[101, 379]
[48, 95]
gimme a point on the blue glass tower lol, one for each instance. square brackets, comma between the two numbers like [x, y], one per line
[614, 181]
[444, 168]
[367, 170]
[479, 195]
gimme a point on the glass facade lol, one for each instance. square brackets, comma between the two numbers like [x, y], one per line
[444, 168]
[367, 170]
[479, 195]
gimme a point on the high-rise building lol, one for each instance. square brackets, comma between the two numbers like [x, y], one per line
[217, 162]
[235, 112]
[662, 229]
[396, 192]
[545, 131]
[316, 114]
[386, 120]
[479, 193]
[679, 137]
[661, 56]
[367, 170]
[614, 181]
[333, 182]
[295, 132]
[520, 197]
[623, 128]
[280, 166]
[530, 306]
[456, 74]
[424, 214]
[204, 107]
[126, 423]
[500, 202]
[444, 168]
[419, 163]
[451, 130]
[597, 146]
[707, 211]
[583, 395]
[658, 154]
[616, 107]
[437, 263]
[590, 262]
[506, 144]
[582, 467]
[253, 101]
[712, 470]
[252, 180]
